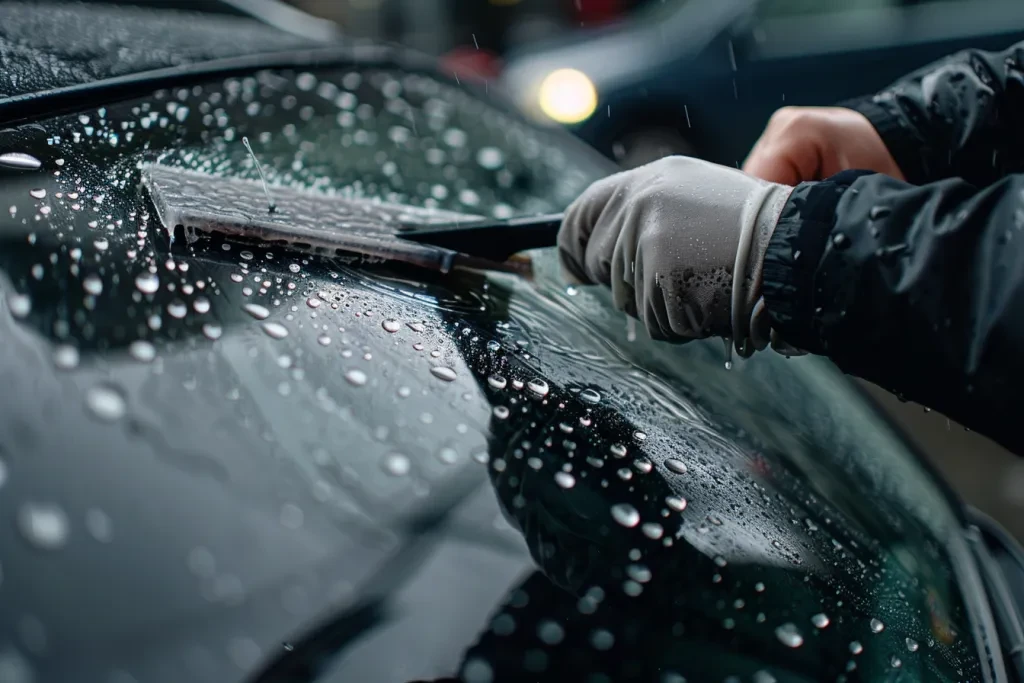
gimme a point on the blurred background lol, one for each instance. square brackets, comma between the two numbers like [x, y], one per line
[640, 79]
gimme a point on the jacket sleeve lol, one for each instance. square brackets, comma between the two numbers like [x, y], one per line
[959, 117]
[919, 289]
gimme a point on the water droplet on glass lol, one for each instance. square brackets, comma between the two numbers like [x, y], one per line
[490, 158]
[19, 304]
[856, 648]
[602, 640]
[177, 309]
[99, 525]
[275, 330]
[65, 357]
[538, 387]
[653, 530]
[677, 466]
[820, 620]
[497, 382]
[37, 193]
[19, 161]
[912, 645]
[323, 340]
[477, 670]
[44, 525]
[895, 662]
[92, 284]
[877, 626]
[618, 450]
[397, 464]
[142, 351]
[212, 331]
[676, 503]
[391, 326]
[443, 373]
[257, 311]
[590, 396]
[625, 514]
[550, 632]
[147, 283]
[789, 636]
[105, 402]
[564, 479]
[201, 305]
[356, 377]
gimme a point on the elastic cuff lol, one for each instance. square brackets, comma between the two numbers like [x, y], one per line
[791, 260]
[899, 138]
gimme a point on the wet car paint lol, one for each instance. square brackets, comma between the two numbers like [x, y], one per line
[224, 462]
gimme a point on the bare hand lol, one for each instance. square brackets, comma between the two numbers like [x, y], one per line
[811, 143]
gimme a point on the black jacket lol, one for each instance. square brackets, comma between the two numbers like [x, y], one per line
[919, 286]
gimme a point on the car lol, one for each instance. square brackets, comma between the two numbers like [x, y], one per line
[233, 461]
[702, 77]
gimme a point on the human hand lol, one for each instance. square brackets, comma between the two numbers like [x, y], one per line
[812, 143]
[680, 242]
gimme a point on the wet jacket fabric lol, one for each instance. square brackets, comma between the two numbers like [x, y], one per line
[918, 286]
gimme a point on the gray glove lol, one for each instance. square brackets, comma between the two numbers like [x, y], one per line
[681, 244]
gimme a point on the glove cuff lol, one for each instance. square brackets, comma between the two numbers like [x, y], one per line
[759, 218]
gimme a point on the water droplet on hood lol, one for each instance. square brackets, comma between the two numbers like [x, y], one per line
[653, 530]
[497, 382]
[44, 525]
[538, 387]
[147, 283]
[275, 330]
[65, 357]
[877, 626]
[142, 351]
[391, 326]
[105, 402]
[19, 304]
[590, 396]
[677, 466]
[37, 193]
[443, 373]
[789, 636]
[257, 311]
[564, 479]
[856, 648]
[676, 503]
[356, 377]
[212, 331]
[625, 514]
[912, 645]
[92, 284]
[20, 161]
[820, 620]
[99, 525]
[397, 464]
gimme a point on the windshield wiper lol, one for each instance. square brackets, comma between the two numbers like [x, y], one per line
[1006, 609]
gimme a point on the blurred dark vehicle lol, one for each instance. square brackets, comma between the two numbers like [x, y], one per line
[702, 77]
[227, 462]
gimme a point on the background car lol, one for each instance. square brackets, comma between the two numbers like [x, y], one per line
[225, 461]
[702, 77]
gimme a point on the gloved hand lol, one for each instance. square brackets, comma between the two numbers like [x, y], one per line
[812, 143]
[681, 243]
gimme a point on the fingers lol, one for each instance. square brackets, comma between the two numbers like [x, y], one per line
[581, 246]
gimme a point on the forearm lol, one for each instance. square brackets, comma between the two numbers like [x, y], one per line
[918, 289]
[959, 117]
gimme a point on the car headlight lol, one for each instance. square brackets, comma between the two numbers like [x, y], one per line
[567, 96]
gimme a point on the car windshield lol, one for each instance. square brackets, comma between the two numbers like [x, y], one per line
[327, 460]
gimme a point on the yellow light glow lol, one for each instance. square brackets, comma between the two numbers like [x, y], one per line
[567, 96]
